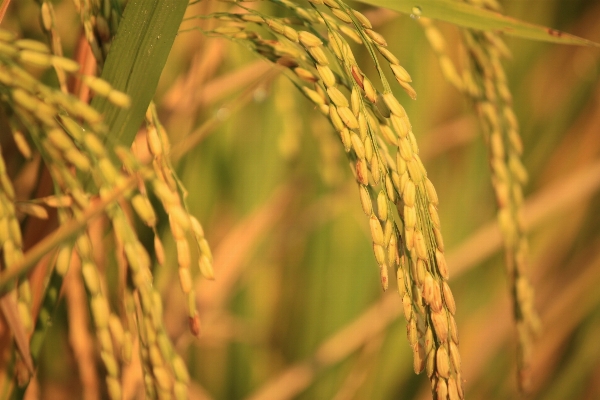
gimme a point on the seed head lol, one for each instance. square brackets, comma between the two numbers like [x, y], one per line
[362, 172]
[442, 389]
[400, 73]
[430, 366]
[407, 305]
[449, 298]
[318, 55]
[337, 97]
[308, 40]
[443, 362]
[364, 21]
[409, 193]
[418, 358]
[376, 37]
[440, 325]
[206, 268]
[388, 56]
[376, 231]
[442, 266]
[453, 393]
[370, 92]
[341, 15]
[382, 206]
[348, 117]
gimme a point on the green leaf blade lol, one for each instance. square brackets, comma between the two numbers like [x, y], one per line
[468, 16]
[135, 62]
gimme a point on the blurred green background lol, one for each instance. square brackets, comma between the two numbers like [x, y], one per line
[296, 310]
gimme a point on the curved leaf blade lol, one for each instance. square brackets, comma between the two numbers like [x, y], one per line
[468, 16]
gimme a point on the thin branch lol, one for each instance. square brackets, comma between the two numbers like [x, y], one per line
[3, 7]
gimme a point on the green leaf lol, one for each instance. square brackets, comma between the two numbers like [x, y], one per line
[468, 16]
[135, 61]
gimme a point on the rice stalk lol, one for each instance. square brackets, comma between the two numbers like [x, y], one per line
[101, 314]
[484, 82]
[48, 19]
[68, 134]
[323, 67]
[171, 193]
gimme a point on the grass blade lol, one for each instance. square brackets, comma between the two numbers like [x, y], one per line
[468, 16]
[135, 61]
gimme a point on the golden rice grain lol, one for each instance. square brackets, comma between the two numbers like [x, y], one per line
[375, 166]
[362, 172]
[331, 4]
[369, 150]
[382, 206]
[370, 92]
[409, 238]
[308, 40]
[419, 358]
[453, 330]
[376, 37]
[453, 393]
[364, 21]
[383, 275]
[379, 254]
[318, 55]
[407, 306]
[442, 266]
[342, 16]
[409, 193]
[352, 34]
[376, 231]
[388, 55]
[455, 356]
[206, 268]
[443, 362]
[420, 245]
[428, 288]
[400, 73]
[348, 117]
[437, 302]
[448, 298]
[439, 240]
[441, 389]
[430, 363]
[440, 325]
[335, 118]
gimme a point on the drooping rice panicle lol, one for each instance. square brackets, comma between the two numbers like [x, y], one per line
[484, 83]
[68, 133]
[323, 67]
[156, 347]
[501, 131]
[101, 315]
[183, 224]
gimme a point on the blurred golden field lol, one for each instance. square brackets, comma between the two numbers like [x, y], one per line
[296, 309]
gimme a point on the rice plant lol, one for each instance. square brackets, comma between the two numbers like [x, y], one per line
[184, 183]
